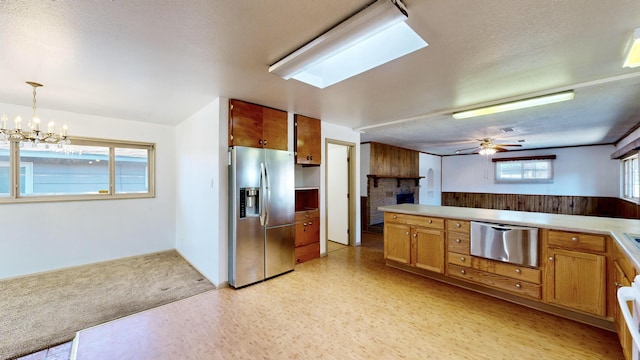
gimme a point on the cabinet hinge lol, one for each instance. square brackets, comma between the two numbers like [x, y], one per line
[231, 136]
[295, 123]
[231, 107]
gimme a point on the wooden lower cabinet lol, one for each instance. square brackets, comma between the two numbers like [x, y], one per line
[397, 242]
[307, 236]
[576, 280]
[428, 249]
[418, 246]
[621, 326]
[519, 287]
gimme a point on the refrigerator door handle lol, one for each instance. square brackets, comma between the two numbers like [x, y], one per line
[267, 204]
[262, 196]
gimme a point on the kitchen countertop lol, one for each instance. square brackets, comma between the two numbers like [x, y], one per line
[614, 227]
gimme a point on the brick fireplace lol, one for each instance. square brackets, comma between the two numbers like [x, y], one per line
[389, 191]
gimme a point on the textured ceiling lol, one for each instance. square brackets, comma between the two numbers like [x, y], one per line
[162, 61]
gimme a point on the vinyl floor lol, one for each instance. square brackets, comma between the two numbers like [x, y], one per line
[347, 305]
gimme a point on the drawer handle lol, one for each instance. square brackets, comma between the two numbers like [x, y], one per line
[310, 223]
[430, 221]
[518, 271]
[457, 225]
[550, 258]
[415, 234]
[407, 233]
[395, 216]
[306, 215]
[305, 224]
[574, 238]
[458, 241]
[462, 258]
[463, 272]
[518, 286]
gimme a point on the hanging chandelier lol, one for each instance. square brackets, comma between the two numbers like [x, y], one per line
[32, 133]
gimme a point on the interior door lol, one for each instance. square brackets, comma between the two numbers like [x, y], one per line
[338, 193]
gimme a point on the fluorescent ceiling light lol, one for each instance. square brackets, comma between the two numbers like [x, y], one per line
[372, 37]
[514, 105]
[633, 56]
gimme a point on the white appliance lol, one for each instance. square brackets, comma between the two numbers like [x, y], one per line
[631, 294]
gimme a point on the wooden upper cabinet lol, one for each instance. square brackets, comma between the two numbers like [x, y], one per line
[257, 126]
[307, 140]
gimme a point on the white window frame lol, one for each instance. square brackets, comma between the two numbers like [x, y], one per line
[15, 165]
[522, 161]
[630, 181]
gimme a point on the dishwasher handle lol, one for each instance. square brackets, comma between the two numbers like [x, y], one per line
[501, 228]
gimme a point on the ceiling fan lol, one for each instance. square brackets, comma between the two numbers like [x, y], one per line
[488, 147]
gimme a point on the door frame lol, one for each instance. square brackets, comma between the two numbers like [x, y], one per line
[351, 155]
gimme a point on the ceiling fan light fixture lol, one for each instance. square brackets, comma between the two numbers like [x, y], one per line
[515, 105]
[488, 151]
[374, 36]
[633, 55]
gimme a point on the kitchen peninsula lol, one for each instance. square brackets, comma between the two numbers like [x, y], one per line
[582, 260]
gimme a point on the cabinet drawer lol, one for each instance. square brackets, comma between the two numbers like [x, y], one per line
[458, 225]
[424, 221]
[508, 270]
[522, 288]
[458, 243]
[307, 252]
[576, 241]
[305, 215]
[459, 259]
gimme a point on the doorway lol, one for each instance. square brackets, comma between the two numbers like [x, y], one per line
[338, 194]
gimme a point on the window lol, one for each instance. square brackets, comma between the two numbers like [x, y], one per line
[538, 169]
[630, 178]
[85, 170]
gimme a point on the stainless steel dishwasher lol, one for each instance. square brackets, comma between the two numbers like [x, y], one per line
[507, 243]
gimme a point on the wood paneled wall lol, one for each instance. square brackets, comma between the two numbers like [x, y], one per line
[554, 204]
[387, 160]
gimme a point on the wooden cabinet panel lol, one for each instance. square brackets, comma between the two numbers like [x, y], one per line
[459, 259]
[621, 326]
[462, 226]
[458, 243]
[397, 242]
[257, 126]
[245, 124]
[429, 249]
[577, 241]
[307, 140]
[522, 288]
[307, 232]
[307, 252]
[576, 280]
[424, 221]
[508, 270]
[275, 129]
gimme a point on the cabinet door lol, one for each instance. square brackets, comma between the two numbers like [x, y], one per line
[308, 139]
[397, 243]
[275, 129]
[428, 249]
[245, 124]
[576, 280]
[623, 331]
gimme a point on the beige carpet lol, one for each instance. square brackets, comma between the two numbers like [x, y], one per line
[40, 311]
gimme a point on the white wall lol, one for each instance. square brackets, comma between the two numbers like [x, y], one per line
[40, 237]
[201, 201]
[365, 167]
[578, 171]
[340, 133]
[430, 191]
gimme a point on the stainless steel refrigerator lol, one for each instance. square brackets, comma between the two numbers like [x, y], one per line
[261, 214]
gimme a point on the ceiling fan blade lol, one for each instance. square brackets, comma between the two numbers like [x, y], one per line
[500, 148]
[518, 145]
[467, 149]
